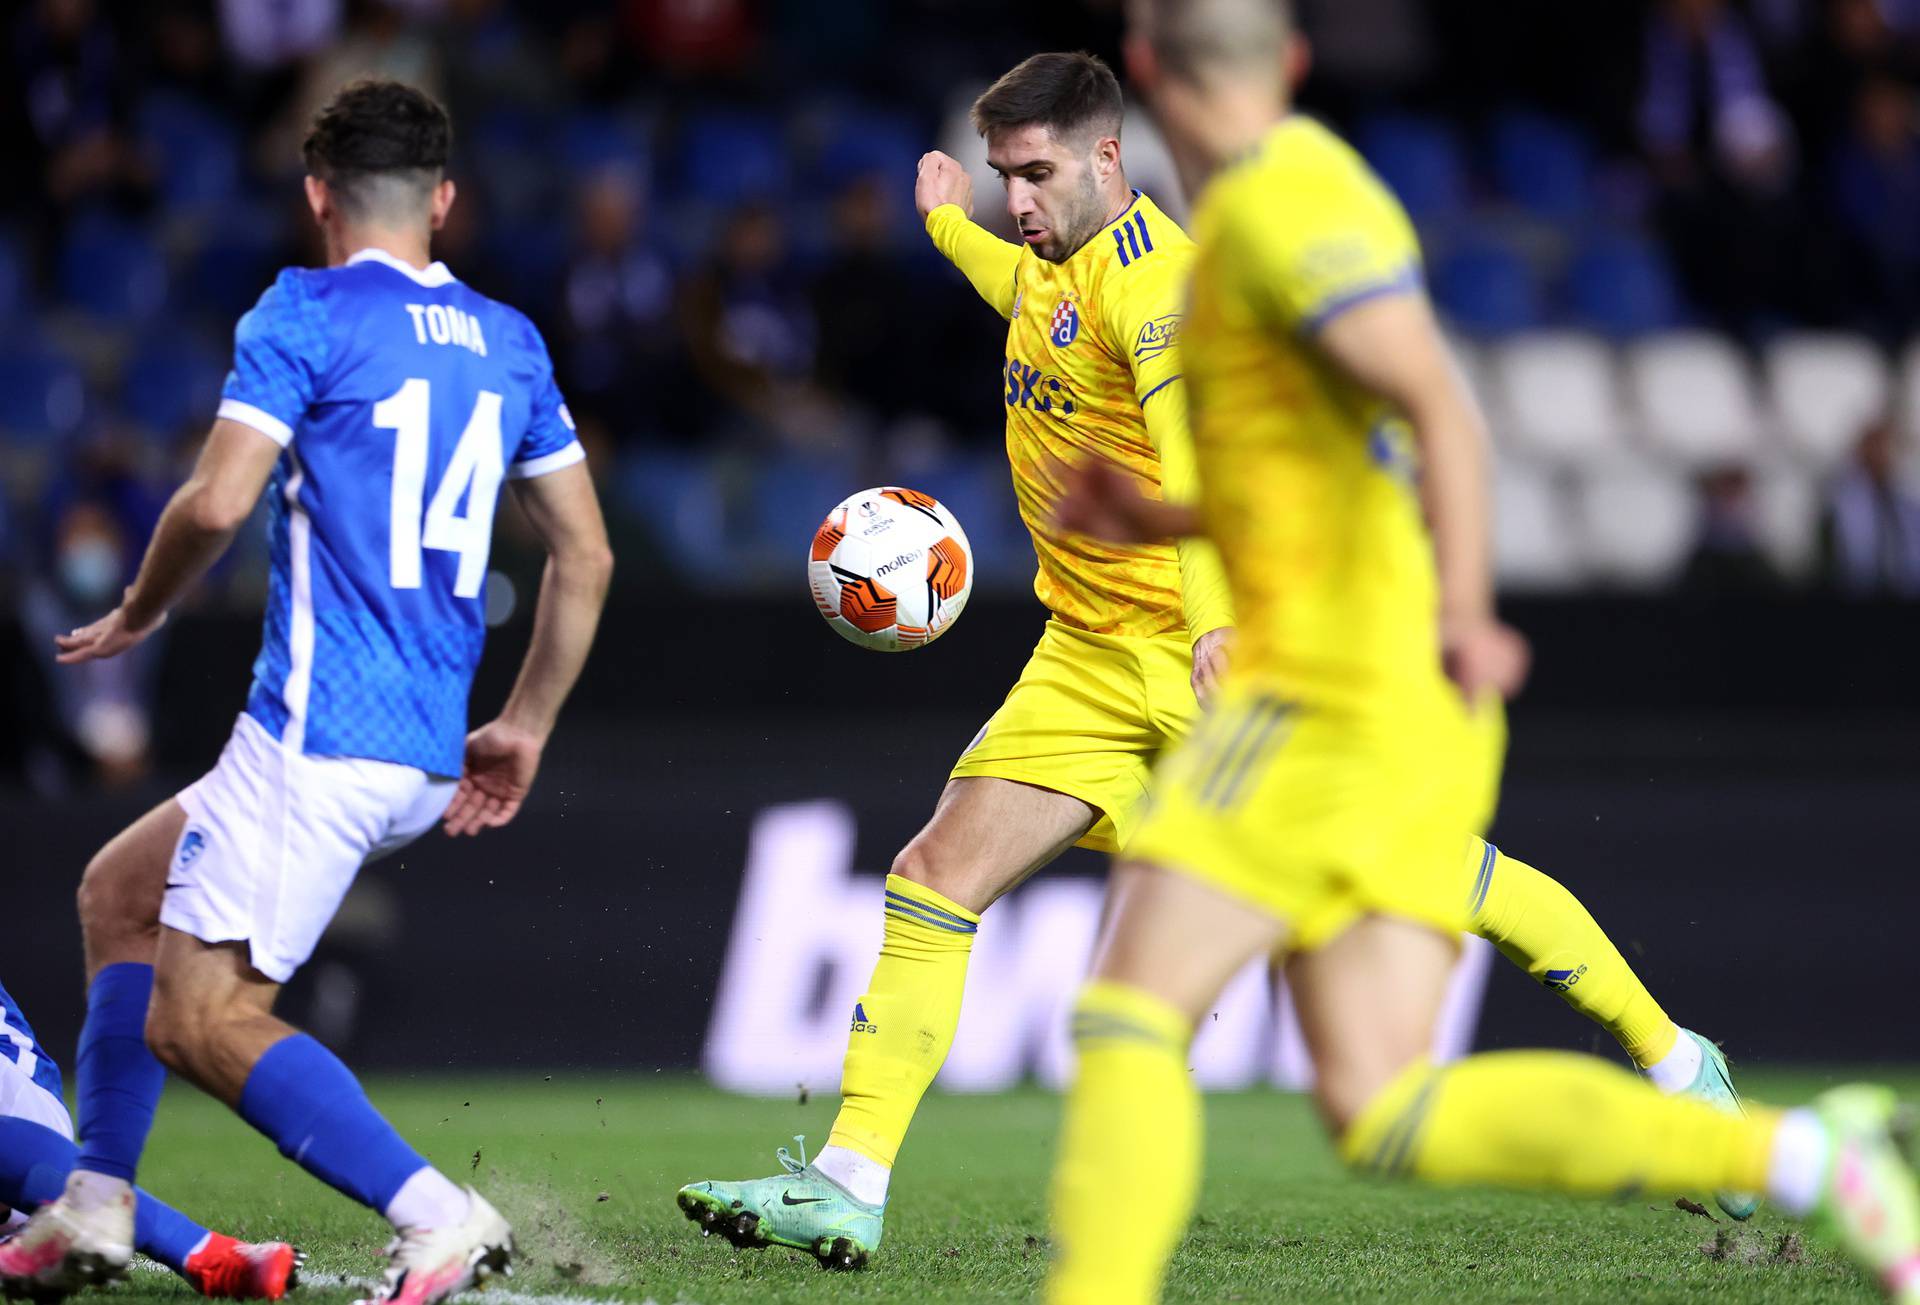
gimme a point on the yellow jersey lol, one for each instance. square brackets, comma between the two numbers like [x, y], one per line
[1090, 363]
[1307, 479]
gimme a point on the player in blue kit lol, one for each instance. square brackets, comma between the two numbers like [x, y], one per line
[37, 1153]
[380, 403]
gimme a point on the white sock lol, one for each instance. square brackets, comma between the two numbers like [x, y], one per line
[864, 1178]
[1799, 1163]
[1676, 1071]
[429, 1199]
[87, 1190]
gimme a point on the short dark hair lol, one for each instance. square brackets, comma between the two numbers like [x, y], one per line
[1069, 93]
[375, 132]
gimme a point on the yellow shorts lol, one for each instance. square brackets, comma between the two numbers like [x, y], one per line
[1319, 816]
[1088, 717]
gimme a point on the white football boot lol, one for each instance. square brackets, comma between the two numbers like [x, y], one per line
[425, 1265]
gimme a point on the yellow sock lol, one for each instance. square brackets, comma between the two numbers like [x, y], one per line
[903, 1024]
[1541, 927]
[1129, 1163]
[1554, 1119]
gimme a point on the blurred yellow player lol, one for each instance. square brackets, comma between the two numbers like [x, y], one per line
[1355, 746]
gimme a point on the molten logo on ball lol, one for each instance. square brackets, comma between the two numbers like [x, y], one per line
[925, 563]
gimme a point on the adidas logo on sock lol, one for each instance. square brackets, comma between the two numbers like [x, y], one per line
[861, 1024]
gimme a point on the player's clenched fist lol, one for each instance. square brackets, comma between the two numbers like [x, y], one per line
[941, 180]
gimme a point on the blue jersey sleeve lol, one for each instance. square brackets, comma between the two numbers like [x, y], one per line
[279, 356]
[550, 442]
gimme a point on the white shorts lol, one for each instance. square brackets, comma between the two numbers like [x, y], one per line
[274, 838]
[22, 1098]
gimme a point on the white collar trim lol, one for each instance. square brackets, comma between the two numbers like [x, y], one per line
[435, 275]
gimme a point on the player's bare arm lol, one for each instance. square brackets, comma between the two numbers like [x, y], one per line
[1203, 583]
[1393, 346]
[194, 530]
[1101, 499]
[504, 755]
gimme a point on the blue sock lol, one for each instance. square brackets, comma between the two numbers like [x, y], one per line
[301, 1096]
[34, 1163]
[119, 1080]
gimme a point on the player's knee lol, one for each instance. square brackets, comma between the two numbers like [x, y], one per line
[1345, 1086]
[109, 902]
[175, 1032]
[925, 863]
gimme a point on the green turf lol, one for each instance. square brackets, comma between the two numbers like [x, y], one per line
[586, 1166]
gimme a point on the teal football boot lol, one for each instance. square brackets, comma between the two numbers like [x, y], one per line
[1714, 1085]
[803, 1209]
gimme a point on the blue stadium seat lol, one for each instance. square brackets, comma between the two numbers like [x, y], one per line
[236, 262]
[513, 162]
[861, 142]
[592, 141]
[172, 383]
[1621, 286]
[1422, 159]
[196, 152]
[113, 271]
[1543, 164]
[1487, 288]
[726, 157]
[16, 291]
[677, 493]
[42, 393]
[791, 495]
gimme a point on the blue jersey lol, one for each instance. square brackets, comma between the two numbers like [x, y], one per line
[18, 1045]
[402, 399]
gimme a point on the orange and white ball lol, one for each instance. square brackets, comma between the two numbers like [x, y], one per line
[890, 569]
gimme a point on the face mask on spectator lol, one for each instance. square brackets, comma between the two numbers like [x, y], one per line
[90, 569]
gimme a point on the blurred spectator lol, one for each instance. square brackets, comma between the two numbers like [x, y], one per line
[752, 334]
[104, 707]
[1871, 536]
[71, 86]
[871, 326]
[1876, 191]
[1727, 557]
[262, 37]
[618, 324]
[1724, 155]
[185, 49]
[688, 38]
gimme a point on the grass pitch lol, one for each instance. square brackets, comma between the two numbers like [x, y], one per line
[586, 1165]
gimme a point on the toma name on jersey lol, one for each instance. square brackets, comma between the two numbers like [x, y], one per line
[443, 324]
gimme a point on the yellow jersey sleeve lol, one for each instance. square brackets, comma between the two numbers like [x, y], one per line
[986, 260]
[1143, 302]
[1204, 598]
[1333, 237]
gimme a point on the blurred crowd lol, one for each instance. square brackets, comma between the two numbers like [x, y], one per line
[706, 205]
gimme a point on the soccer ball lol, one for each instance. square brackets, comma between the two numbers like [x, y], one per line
[890, 569]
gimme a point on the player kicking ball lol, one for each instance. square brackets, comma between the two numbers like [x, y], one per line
[37, 1153]
[1136, 639]
[380, 403]
[1350, 751]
